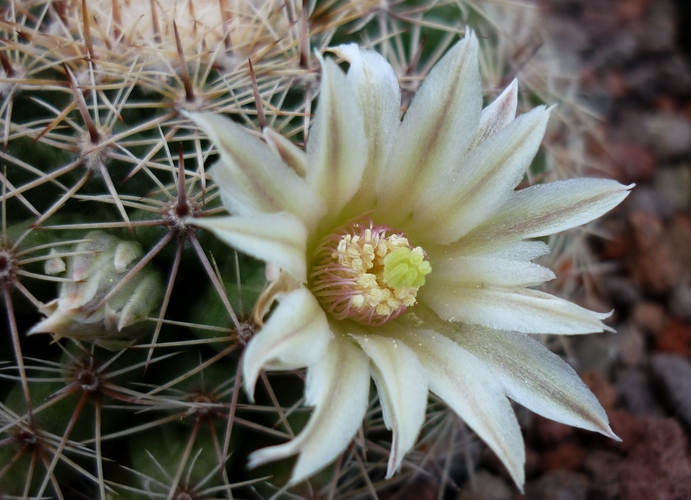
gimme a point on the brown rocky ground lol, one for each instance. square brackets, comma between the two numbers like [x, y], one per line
[637, 74]
[635, 60]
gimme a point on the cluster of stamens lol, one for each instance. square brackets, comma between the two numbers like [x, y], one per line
[367, 273]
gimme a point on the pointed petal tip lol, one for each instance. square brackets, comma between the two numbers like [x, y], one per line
[253, 462]
[542, 111]
[320, 58]
[249, 384]
[511, 91]
[614, 436]
[518, 477]
[54, 324]
[472, 40]
[258, 458]
[618, 186]
[604, 428]
[627, 189]
[395, 459]
[390, 471]
[36, 329]
[468, 42]
[345, 51]
[265, 455]
[603, 316]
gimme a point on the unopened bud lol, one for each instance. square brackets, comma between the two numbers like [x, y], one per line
[100, 264]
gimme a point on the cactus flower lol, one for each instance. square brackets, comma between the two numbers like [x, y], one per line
[405, 253]
[97, 265]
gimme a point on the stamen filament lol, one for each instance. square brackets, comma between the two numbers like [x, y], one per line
[367, 273]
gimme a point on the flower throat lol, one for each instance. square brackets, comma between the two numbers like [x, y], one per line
[367, 273]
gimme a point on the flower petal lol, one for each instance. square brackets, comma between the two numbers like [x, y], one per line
[436, 130]
[292, 155]
[484, 271]
[497, 115]
[535, 377]
[379, 95]
[456, 204]
[517, 251]
[296, 335]
[252, 178]
[337, 146]
[471, 390]
[516, 309]
[402, 387]
[277, 238]
[338, 387]
[550, 208]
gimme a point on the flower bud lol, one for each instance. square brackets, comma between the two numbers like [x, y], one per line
[100, 263]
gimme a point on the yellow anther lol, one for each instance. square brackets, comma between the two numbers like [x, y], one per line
[367, 274]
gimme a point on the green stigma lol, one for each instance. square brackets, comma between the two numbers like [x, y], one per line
[406, 268]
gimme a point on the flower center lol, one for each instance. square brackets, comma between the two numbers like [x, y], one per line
[367, 273]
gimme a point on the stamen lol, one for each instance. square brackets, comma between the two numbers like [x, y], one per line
[367, 273]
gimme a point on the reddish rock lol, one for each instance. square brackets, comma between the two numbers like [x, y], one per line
[680, 302]
[632, 10]
[549, 432]
[649, 316]
[636, 394]
[675, 338]
[652, 263]
[674, 373]
[487, 487]
[650, 463]
[680, 237]
[670, 134]
[616, 84]
[655, 464]
[631, 345]
[647, 230]
[630, 162]
[558, 485]
[565, 456]
[651, 201]
[604, 469]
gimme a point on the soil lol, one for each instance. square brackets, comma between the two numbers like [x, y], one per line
[634, 58]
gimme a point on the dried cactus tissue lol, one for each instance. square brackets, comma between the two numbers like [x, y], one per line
[284, 249]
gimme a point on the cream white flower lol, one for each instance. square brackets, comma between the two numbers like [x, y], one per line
[403, 258]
